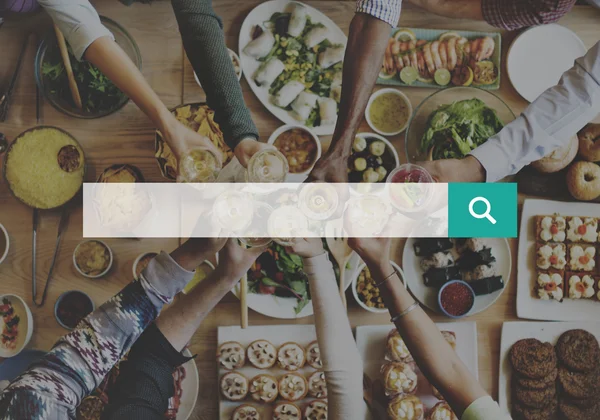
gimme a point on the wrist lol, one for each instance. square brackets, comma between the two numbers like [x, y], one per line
[475, 169]
[190, 259]
[380, 270]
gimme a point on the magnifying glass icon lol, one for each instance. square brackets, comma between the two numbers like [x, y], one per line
[486, 214]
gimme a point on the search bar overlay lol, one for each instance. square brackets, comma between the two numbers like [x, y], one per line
[482, 210]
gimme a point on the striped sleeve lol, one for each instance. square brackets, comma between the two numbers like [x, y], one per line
[385, 10]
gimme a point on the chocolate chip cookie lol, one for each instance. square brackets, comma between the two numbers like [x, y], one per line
[543, 383]
[521, 412]
[572, 412]
[578, 350]
[579, 385]
[534, 398]
[533, 359]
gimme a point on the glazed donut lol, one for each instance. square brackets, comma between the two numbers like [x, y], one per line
[583, 181]
[589, 142]
[559, 159]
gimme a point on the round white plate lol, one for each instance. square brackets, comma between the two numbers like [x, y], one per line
[190, 386]
[283, 308]
[539, 56]
[428, 296]
[263, 13]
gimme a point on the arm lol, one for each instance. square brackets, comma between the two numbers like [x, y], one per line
[367, 41]
[342, 363]
[202, 33]
[457, 9]
[76, 365]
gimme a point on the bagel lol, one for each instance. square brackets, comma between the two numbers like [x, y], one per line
[589, 142]
[583, 181]
[559, 159]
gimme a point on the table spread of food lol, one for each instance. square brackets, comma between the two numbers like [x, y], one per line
[446, 92]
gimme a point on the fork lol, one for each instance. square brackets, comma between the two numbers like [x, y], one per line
[341, 252]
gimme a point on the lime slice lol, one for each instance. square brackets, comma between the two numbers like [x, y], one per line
[408, 75]
[442, 77]
[404, 35]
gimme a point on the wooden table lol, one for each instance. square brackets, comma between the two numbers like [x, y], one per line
[127, 137]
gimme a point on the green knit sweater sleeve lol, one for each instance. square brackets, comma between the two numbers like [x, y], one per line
[204, 42]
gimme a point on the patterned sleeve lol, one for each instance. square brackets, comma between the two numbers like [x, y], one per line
[386, 10]
[53, 387]
[516, 14]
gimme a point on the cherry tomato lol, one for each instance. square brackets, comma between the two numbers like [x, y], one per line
[582, 229]
[266, 290]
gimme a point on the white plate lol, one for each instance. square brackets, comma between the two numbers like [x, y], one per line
[539, 56]
[189, 386]
[371, 342]
[283, 308]
[260, 14]
[428, 296]
[277, 335]
[528, 306]
[543, 331]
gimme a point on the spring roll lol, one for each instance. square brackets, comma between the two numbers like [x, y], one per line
[261, 45]
[297, 20]
[303, 105]
[327, 111]
[268, 72]
[315, 36]
[336, 87]
[331, 56]
[288, 93]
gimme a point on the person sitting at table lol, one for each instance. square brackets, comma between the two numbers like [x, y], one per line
[89, 39]
[53, 387]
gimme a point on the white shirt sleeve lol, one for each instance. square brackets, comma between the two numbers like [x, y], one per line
[342, 363]
[548, 123]
[385, 10]
[78, 21]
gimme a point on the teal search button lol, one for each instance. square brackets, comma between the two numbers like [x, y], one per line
[482, 210]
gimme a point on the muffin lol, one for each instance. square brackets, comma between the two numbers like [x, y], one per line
[398, 378]
[396, 350]
[405, 407]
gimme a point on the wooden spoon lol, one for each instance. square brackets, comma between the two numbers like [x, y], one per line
[64, 52]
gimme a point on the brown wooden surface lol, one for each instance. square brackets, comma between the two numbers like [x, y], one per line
[127, 137]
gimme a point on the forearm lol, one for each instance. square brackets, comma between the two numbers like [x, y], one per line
[204, 42]
[443, 368]
[459, 9]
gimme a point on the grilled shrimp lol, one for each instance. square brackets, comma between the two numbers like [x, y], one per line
[486, 48]
[452, 53]
[444, 54]
[435, 53]
[413, 54]
[428, 57]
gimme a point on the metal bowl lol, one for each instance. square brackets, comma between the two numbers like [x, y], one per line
[49, 48]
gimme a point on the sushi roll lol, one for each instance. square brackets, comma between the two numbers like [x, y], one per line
[304, 104]
[479, 272]
[328, 111]
[437, 260]
[437, 277]
[260, 46]
[427, 246]
[315, 36]
[297, 20]
[288, 93]
[268, 72]
[331, 56]
[469, 259]
[487, 286]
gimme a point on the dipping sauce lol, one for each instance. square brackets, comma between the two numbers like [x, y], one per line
[72, 307]
[456, 299]
[389, 113]
[299, 147]
[143, 263]
[92, 258]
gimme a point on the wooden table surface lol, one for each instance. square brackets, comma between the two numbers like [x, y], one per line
[127, 137]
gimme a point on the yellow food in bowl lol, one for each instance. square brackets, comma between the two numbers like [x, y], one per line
[367, 290]
[34, 172]
[389, 112]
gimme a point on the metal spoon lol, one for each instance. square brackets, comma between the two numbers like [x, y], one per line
[3, 143]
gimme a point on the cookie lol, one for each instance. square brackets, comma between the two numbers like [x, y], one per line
[579, 385]
[293, 387]
[262, 354]
[231, 355]
[542, 383]
[534, 398]
[521, 412]
[313, 356]
[572, 412]
[286, 411]
[532, 358]
[234, 386]
[245, 412]
[578, 350]
[291, 356]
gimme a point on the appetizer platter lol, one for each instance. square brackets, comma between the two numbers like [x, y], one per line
[385, 356]
[16, 325]
[558, 277]
[291, 55]
[275, 371]
[438, 58]
[549, 368]
[431, 263]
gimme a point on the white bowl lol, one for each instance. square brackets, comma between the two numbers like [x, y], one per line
[301, 176]
[237, 57]
[389, 145]
[110, 261]
[355, 282]
[5, 233]
[137, 260]
[25, 325]
[376, 95]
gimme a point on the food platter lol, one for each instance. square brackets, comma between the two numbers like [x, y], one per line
[428, 296]
[528, 305]
[371, 342]
[260, 14]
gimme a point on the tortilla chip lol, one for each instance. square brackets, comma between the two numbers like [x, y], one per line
[184, 112]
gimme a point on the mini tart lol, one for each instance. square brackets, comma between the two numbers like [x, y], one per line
[263, 388]
[231, 355]
[398, 378]
[581, 285]
[293, 387]
[582, 257]
[396, 350]
[313, 356]
[406, 407]
[245, 412]
[551, 256]
[549, 285]
[582, 229]
[441, 411]
[234, 386]
[317, 385]
[262, 354]
[551, 228]
[291, 356]
[316, 410]
[286, 411]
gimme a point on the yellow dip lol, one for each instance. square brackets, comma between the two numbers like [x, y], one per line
[389, 112]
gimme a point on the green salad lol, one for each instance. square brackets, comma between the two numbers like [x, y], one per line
[454, 130]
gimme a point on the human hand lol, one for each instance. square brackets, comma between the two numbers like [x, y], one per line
[467, 169]
[182, 139]
[194, 251]
[373, 251]
[235, 260]
[247, 148]
[332, 167]
[307, 247]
